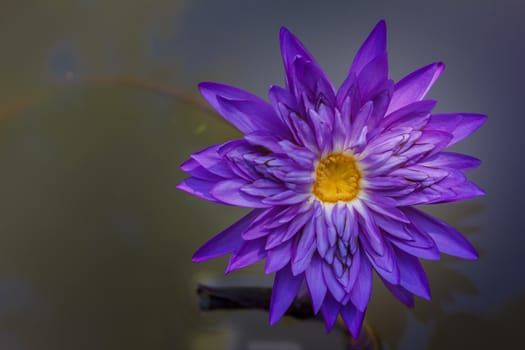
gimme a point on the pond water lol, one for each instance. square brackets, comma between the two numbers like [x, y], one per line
[96, 242]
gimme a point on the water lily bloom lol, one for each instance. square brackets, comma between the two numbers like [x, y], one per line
[332, 176]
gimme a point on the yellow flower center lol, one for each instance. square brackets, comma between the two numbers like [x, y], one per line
[336, 178]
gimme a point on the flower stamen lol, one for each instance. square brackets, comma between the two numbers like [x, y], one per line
[337, 178]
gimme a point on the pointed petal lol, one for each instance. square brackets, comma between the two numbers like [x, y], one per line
[448, 240]
[291, 48]
[452, 160]
[245, 111]
[372, 76]
[415, 86]
[209, 159]
[199, 188]
[229, 192]
[330, 310]
[460, 125]
[374, 46]
[412, 275]
[400, 293]
[353, 319]
[362, 289]
[278, 257]
[304, 249]
[249, 253]
[285, 288]
[315, 283]
[334, 286]
[227, 241]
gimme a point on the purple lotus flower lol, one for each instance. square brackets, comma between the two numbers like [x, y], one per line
[332, 176]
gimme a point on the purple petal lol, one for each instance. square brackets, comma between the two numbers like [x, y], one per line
[452, 160]
[315, 283]
[245, 111]
[298, 222]
[304, 249]
[322, 129]
[227, 241]
[355, 267]
[415, 86]
[322, 235]
[303, 133]
[311, 82]
[285, 198]
[285, 288]
[412, 275]
[400, 293]
[362, 289]
[359, 129]
[199, 188]
[412, 115]
[374, 46]
[457, 192]
[301, 155]
[409, 238]
[250, 253]
[197, 172]
[263, 188]
[330, 310]
[264, 139]
[278, 257]
[353, 319]
[275, 238]
[329, 277]
[370, 232]
[448, 240]
[380, 95]
[437, 138]
[282, 216]
[257, 229]
[378, 207]
[385, 265]
[291, 47]
[460, 125]
[229, 192]
[372, 76]
[211, 160]
[348, 97]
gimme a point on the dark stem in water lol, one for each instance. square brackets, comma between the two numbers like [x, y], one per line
[249, 298]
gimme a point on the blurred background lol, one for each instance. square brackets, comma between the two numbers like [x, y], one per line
[99, 106]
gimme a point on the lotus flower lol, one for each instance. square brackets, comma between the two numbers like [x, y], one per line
[332, 176]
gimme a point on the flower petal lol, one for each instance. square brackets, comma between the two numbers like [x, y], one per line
[373, 75]
[229, 192]
[353, 319]
[278, 257]
[460, 125]
[412, 275]
[330, 310]
[227, 241]
[245, 111]
[448, 240]
[400, 293]
[330, 279]
[285, 288]
[374, 46]
[415, 86]
[249, 253]
[199, 188]
[315, 283]
[291, 47]
[362, 288]
[452, 160]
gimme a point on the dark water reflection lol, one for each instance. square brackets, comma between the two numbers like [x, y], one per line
[96, 242]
